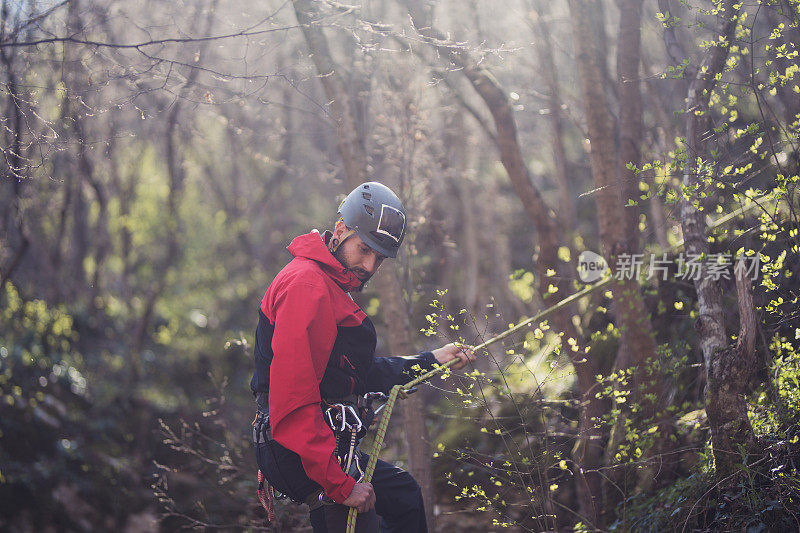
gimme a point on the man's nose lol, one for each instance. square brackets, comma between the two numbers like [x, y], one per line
[369, 263]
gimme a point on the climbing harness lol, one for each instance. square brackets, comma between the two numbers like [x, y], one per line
[266, 495]
[261, 434]
[349, 418]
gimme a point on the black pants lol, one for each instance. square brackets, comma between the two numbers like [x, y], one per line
[398, 497]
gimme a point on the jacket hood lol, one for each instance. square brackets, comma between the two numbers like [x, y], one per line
[312, 246]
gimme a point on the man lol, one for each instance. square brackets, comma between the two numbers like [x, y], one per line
[314, 346]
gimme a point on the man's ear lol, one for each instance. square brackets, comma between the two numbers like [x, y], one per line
[339, 229]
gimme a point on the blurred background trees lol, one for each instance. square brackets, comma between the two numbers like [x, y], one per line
[159, 156]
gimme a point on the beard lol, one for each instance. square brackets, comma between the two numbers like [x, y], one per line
[360, 273]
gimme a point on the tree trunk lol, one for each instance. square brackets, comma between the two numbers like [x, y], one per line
[544, 49]
[102, 240]
[730, 370]
[727, 369]
[544, 219]
[631, 314]
[342, 108]
[630, 113]
[125, 195]
[470, 250]
[664, 135]
[78, 240]
[415, 434]
[602, 156]
[13, 221]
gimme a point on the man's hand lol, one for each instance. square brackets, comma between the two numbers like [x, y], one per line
[362, 497]
[453, 351]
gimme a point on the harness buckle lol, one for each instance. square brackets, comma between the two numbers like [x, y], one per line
[262, 432]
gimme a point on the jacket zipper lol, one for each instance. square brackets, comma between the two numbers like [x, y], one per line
[344, 357]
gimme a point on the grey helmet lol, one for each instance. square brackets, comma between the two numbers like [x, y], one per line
[376, 215]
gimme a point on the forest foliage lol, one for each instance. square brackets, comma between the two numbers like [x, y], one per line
[158, 157]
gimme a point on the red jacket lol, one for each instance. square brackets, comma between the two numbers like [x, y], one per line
[314, 342]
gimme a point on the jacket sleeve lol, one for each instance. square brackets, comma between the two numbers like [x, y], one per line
[386, 372]
[305, 330]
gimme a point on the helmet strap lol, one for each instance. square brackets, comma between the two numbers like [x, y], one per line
[335, 243]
